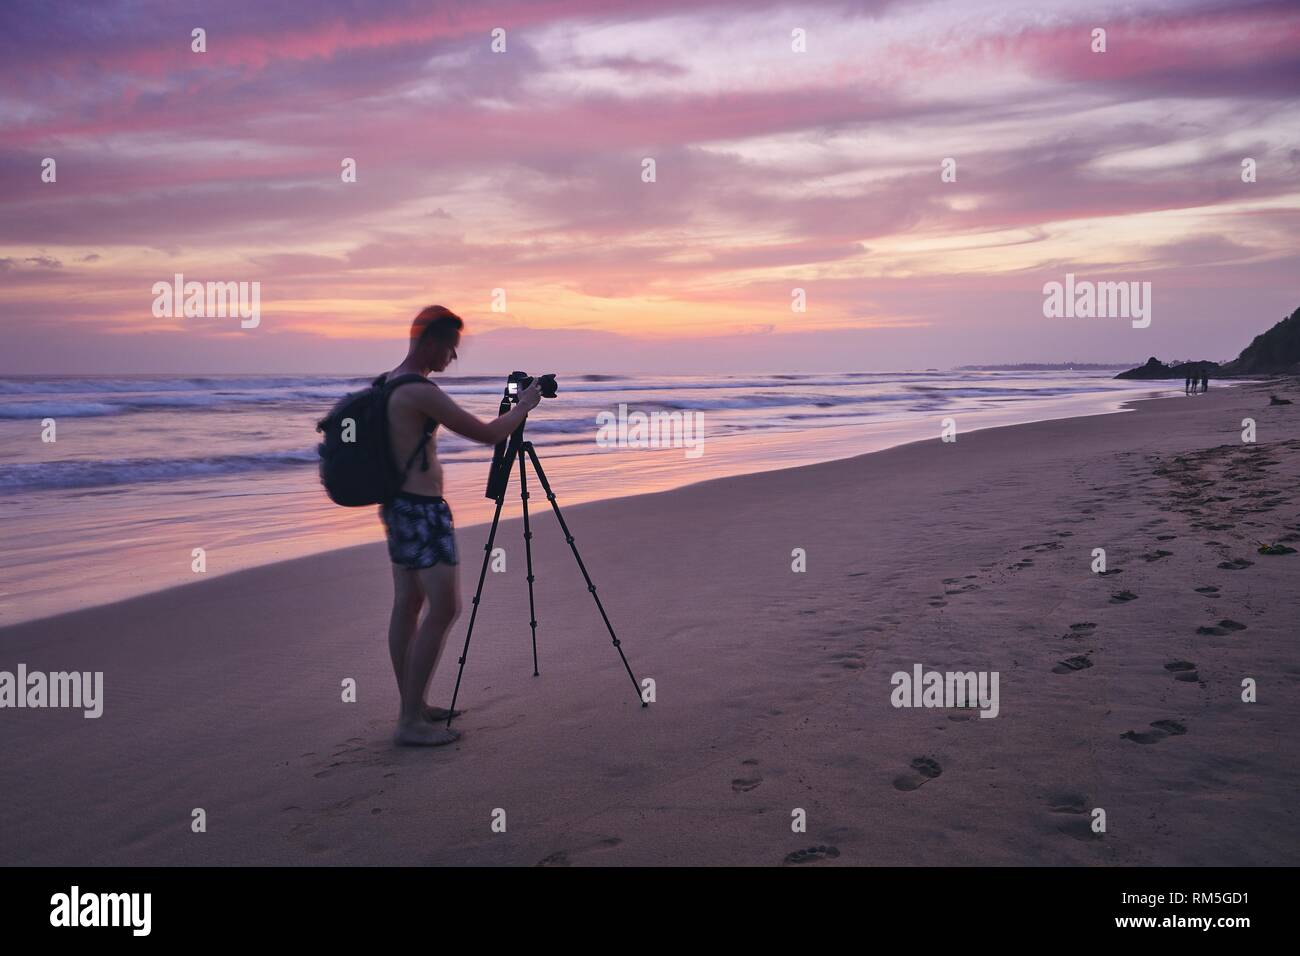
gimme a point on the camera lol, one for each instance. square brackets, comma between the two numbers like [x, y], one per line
[518, 381]
[504, 454]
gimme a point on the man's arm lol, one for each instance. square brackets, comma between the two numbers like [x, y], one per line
[439, 406]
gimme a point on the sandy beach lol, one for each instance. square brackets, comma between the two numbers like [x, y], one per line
[1120, 691]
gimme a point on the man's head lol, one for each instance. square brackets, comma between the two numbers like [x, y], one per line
[435, 333]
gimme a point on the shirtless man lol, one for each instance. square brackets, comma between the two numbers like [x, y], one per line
[421, 539]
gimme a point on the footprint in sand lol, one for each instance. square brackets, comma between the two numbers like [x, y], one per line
[812, 855]
[562, 858]
[746, 784]
[1236, 564]
[1043, 546]
[1072, 664]
[1183, 671]
[1080, 630]
[1208, 589]
[1122, 597]
[1076, 821]
[848, 660]
[923, 770]
[1109, 571]
[1160, 730]
[1223, 627]
[1156, 555]
[1068, 801]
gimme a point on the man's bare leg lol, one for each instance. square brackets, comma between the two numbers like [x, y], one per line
[440, 585]
[408, 599]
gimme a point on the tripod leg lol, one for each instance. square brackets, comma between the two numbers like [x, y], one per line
[478, 593]
[568, 536]
[528, 550]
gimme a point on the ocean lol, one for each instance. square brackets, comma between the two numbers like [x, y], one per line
[145, 469]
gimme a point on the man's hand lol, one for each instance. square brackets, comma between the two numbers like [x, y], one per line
[530, 396]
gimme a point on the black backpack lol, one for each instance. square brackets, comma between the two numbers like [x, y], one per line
[360, 471]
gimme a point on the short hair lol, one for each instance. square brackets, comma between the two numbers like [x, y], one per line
[436, 322]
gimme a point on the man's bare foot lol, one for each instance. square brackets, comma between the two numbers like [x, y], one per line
[421, 734]
[437, 714]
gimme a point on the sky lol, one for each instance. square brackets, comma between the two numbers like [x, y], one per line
[794, 147]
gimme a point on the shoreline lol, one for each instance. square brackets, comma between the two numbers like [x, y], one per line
[362, 527]
[773, 688]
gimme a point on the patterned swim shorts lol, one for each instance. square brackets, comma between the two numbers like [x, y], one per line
[420, 531]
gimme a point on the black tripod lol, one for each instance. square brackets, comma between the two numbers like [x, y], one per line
[499, 482]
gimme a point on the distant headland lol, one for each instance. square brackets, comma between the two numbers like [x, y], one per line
[1275, 352]
[1044, 367]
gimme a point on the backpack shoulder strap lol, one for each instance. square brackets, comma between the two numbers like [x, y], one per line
[388, 385]
[420, 449]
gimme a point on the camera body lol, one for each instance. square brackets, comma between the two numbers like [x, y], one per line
[516, 382]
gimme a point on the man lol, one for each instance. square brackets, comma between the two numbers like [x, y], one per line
[421, 538]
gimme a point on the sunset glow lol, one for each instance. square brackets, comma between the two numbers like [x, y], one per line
[522, 171]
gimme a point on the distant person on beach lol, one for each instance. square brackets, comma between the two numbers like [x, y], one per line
[421, 538]
[1205, 381]
[1187, 385]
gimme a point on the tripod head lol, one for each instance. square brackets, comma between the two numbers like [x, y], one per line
[518, 381]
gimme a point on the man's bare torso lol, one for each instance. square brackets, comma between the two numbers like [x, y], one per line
[406, 424]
